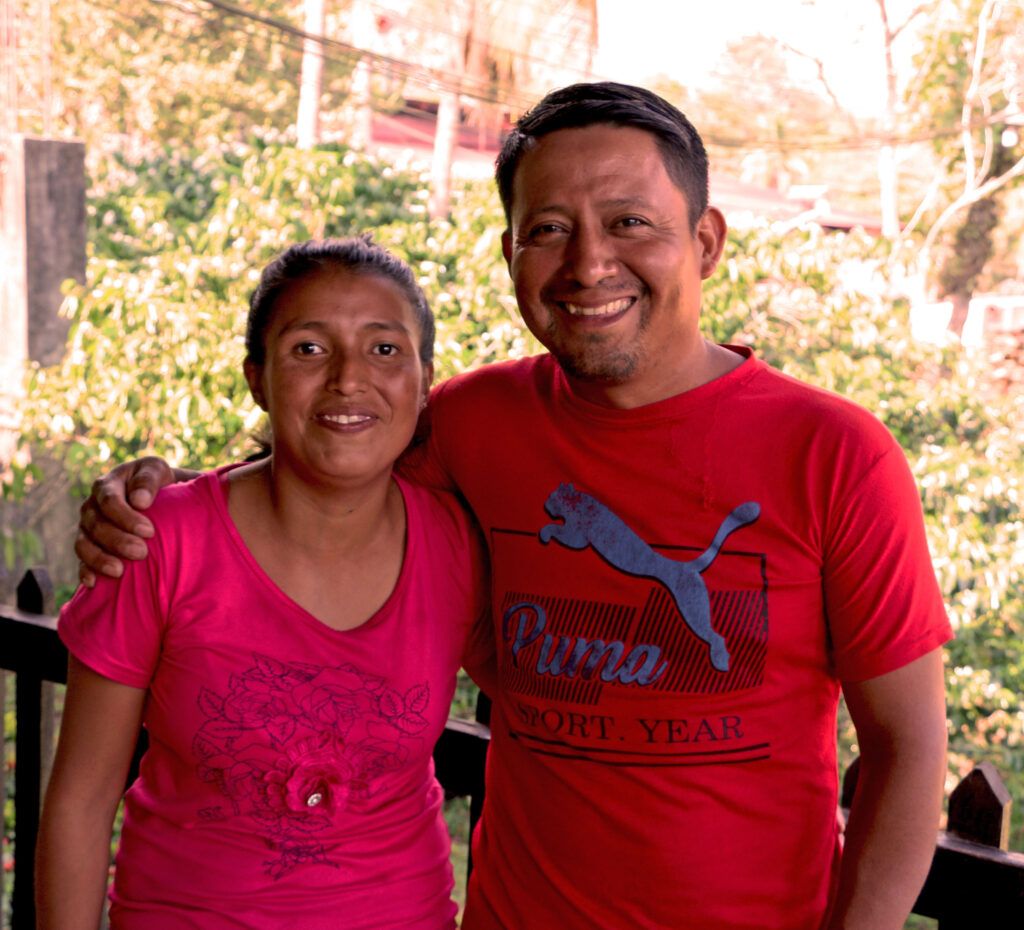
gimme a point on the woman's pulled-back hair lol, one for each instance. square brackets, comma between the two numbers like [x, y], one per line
[355, 255]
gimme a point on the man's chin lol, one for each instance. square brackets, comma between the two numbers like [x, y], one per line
[595, 367]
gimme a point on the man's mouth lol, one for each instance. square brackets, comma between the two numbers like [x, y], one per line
[608, 309]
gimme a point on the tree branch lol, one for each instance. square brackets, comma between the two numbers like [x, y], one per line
[969, 197]
[925, 204]
[917, 11]
[820, 66]
[971, 176]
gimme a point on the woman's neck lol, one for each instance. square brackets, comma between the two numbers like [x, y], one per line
[335, 551]
[324, 520]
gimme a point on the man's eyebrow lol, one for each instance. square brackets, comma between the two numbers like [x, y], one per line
[633, 201]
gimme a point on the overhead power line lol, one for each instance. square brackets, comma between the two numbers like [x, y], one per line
[341, 52]
[337, 50]
[564, 35]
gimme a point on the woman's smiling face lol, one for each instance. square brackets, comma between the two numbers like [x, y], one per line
[342, 381]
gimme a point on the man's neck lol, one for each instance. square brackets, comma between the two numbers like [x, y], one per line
[709, 363]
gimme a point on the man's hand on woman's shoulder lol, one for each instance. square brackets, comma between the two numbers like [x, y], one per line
[110, 526]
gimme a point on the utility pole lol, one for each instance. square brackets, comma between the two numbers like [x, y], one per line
[13, 325]
[312, 81]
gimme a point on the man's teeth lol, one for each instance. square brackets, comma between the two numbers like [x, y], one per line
[345, 419]
[616, 306]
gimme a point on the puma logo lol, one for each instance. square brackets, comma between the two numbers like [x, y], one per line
[588, 522]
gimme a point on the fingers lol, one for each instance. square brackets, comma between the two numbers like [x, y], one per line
[93, 560]
[110, 525]
[130, 487]
[145, 478]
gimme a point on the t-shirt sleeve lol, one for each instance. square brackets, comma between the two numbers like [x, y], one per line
[882, 599]
[116, 627]
[480, 658]
[423, 462]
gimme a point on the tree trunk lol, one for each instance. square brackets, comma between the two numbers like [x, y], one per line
[444, 150]
[888, 181]
[307, 125]
[972, 246]
[362, 99]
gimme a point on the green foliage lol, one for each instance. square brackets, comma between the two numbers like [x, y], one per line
[961, 37]
[155, 350]
[966, 90]
[823, 308]
[160, 73]
[155, 354]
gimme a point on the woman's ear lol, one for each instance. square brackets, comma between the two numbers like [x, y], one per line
[254, 378]
[428, 379]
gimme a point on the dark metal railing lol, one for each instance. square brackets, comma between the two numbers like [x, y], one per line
[31, 649]
[974, 882]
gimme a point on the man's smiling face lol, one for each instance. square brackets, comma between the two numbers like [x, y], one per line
[606, 268]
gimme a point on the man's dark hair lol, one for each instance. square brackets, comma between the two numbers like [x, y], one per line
[357, 255]
[580, 105]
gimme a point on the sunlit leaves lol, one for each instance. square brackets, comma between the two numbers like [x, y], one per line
[154, 356]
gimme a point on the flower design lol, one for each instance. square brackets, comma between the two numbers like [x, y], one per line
[312, 776]
[293, 745]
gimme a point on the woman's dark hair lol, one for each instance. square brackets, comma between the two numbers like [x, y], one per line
[579, 105]
[356, 255]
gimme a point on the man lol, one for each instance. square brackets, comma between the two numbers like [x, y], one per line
[691, 554]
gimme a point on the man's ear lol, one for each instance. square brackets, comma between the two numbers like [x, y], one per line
[254, 377]
[506, 246]
[711, 234]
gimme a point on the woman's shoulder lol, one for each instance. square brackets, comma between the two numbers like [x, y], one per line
[180, 505]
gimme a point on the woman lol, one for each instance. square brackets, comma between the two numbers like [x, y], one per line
[291, 649]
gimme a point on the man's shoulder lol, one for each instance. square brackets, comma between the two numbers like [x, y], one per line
[796, 400]
[495, 379]
[436, 507]
[501, 372]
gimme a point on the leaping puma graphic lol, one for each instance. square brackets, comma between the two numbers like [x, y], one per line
[588, 522]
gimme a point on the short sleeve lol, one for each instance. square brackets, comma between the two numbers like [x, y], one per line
[480, 658]
[116, 627]
[882, 600]
[422, 463]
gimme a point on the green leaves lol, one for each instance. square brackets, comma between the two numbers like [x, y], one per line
[155, 352]
[826, 309]
[177, 243]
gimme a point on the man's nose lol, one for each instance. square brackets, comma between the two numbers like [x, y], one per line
[591, 255]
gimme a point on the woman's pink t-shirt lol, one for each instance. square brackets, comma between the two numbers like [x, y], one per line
[289, 780]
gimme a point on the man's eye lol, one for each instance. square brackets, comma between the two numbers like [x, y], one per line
[631, 222]
[386, 349]
[545, 229]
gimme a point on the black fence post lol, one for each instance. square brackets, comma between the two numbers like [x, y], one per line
[35, 596]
